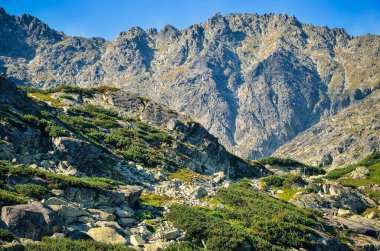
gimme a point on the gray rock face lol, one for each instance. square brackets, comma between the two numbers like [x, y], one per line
[341, 140]
[76, 152]
[32, 221]
[253, 81]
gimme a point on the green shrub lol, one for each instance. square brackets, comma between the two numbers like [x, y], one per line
[338, 173]
[10, 198]
[285, 162]
[62, 181]
[6, 235]
[183, 246]
[49, 127]
[32, 190]
[293, 180]
[273, 180]
[370, 160]
[63, 244]
[248, 217]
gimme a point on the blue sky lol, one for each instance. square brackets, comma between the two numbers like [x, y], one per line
[106, 18]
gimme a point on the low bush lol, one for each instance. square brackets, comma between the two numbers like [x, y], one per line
[273, 180]
[6, 235]
[32, 190]
[10, 198]
[248, 217]
[370, 160]
[59, 180]
[63, 244]
[47, 126]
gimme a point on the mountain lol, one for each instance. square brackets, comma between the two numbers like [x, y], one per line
[102, 168]
[253, 81]
[344, 138]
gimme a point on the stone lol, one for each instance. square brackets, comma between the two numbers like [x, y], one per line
[70, 213]
[136, 240]
[55, 201]
[32, 221]
[124, 222]
[360, 172]
[171, 235]
[106, 234]
[123, 213]
[85, 219]
[58, 192]
[198, 192]
[77, 235]
[102, 215]
[218, 177]
[157, 246]
[371, 215]
[111, 224]
[344, 212]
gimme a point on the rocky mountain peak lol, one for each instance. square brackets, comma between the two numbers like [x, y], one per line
[169, 32]
[249, 79]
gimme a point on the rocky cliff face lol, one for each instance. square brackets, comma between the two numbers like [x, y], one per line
[350, 135]
[254, 81]
[68, 139]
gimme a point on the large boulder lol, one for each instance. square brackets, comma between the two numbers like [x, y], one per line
[32, 221]
[92, 198]
[106, 234]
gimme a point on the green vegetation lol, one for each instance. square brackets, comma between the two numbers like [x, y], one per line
[5, 235]
[287, 181]
[63, 244]
[184, 174]
[370, 162]
[141, 145]
[32, 190]
[70, 89]
[183, 246]
[274, 161]
[59, 180]
[153, 199]
[287, 162]
[47, 126]
[10, 198]
[249, 217]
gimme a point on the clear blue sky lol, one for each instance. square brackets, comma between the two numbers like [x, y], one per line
[106, 18]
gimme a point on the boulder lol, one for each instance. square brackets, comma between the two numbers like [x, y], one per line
[87, 197]
[106, 234]
[76, 152]
[171, 235]
[124, 213]
[125, 222]
[32, 221]
[136, 240]
[102, 215]
[111, 224]
[158, 245]
[359, 173]
[55, 201]
[77, 235]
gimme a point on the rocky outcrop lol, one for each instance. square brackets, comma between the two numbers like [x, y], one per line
[341, 140]
[253, 81]
[106, 234]
[32, 221]
[108, 198]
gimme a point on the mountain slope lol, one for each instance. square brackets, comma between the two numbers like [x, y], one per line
[253, 81]
[341, 140]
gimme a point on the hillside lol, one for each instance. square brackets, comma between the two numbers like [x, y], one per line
[100, 167]
[341, 140]
[253, 81]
